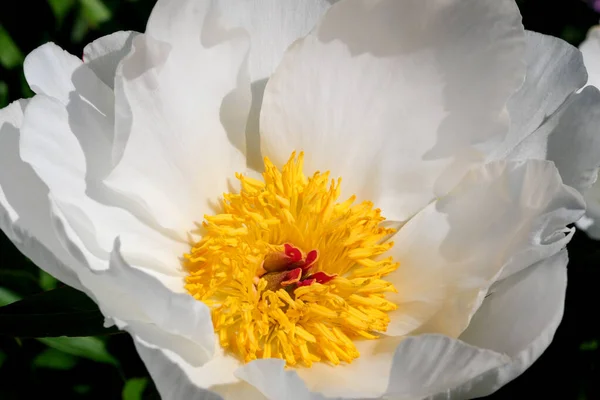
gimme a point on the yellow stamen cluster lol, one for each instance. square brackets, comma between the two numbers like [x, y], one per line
[307, 323]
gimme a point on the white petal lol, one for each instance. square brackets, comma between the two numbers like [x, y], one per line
[519, 319]
[104, 54]
[569, 137]
[48, 70]
[452, 251]
[177, 380]
[273, 25]
[55, 143]
[590, 48]
[428, 364]
[409, 368]
[25, 215]
[554, 71]
[408, 92]
[269, 376]
[54, 72]
[549, 122]
[182, 95]
[366, 377]
[144, 306]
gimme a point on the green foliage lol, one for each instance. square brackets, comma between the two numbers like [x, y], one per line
[47, 281]
[3, 93]
[134, 388]
[60, 9]
[10, 56]
[590, 345]
[54, 359]
[95, 11]
[7, 296]
[92, 13]
[87, 347]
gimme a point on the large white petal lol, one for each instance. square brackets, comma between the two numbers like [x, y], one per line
[103, 57]
[554, 71]
[273, 25]
[398, 98]
[428, 364]
[415, 367]
[177, 380]
[366, 377]
[145, 307]
[571, 138]
[549, 121]
[452, 251]
[25, 215]
[142, 303]
[519, 319]
[104, 54]
[590, 49]
[51, 71]
[147, 300]
[182, 95]
[54, 141]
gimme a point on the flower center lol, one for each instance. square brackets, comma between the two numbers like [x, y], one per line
[288, 272]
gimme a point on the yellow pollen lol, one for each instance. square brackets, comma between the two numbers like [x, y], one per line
[289, 272]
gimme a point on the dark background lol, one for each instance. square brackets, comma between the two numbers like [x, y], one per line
[108, 367]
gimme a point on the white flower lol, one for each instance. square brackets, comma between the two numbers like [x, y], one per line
[590, 49]
[462, 128]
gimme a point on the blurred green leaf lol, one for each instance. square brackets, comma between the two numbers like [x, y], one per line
[10, 55]
[80, 28]
[95, 11]
[590, 345]
[8, 297]
[82, 389]
[134, 388]
[2, 357]
[60, 8]
[87, 347]
[4, 98]
[572, 34]
[47, 281]
[54, 359]
[59, 312]
[20, 281]
[26, 91]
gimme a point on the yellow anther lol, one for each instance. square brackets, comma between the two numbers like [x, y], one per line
[325, 305]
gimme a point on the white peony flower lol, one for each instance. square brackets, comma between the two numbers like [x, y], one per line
[590, 48]
[458, 135]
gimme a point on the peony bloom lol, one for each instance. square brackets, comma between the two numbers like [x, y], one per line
[298, 200]
[590, 49]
